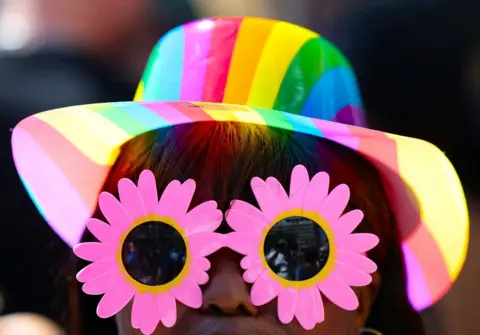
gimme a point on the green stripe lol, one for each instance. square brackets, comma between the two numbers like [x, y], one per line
[274, 118]
[120, 118]
[151, 61]
[316, 57]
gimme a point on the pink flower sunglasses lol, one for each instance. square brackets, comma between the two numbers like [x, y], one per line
[154, 250]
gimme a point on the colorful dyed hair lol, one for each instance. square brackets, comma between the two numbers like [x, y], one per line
[223, 157]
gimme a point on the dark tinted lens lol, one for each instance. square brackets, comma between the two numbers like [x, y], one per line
[154, 253]
[296, 248]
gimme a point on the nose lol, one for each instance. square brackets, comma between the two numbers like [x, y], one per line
[226, 292]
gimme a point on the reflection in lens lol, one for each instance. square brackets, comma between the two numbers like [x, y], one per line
[296, 248]
[154, 253]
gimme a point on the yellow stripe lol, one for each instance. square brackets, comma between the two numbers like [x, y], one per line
[231, 112]
[442, 202]
[139, 92]
[251, 39]
[218, 112]
[283, 44]
[96, 137]
[251, 116]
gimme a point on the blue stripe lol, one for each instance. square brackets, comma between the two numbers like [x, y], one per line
[303, 124]
[336, 89]
[165, 81]
[142, 114]
[34, 198]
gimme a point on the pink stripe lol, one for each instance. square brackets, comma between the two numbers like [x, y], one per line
[67, 214]
[338, 133]
[222, 44]
[197, 48]
[417, 287]
[167, 112]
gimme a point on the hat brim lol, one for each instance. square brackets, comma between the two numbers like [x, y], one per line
[63, 157]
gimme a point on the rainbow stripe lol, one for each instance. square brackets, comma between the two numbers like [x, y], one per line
[64, 156]
[255, 62]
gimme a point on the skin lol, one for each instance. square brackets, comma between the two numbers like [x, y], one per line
[227, 309]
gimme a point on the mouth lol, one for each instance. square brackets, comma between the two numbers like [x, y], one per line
[231, 326]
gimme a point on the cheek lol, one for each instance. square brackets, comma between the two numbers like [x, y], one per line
[337, 321]
[124, 324]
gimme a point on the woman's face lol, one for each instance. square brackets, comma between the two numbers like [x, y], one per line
[227, 310]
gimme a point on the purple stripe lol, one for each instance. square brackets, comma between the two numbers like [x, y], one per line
[197, 49]
[351, 115]
[417, 286]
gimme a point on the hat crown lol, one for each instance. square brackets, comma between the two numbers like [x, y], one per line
[257, 62]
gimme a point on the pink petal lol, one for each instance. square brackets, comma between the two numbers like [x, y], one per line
[176, 199]
[145, 315]
[335, 203]
[245, 218]
[100, 284]
[203, 218]
[271, 197]
[117, 297]
[316, 192]
[305, 308]
[339, 293]
[148, 190]
[135, 317]
[249, 261]
[351, 276]
[243, 243]
[277, 190]
[102, 231]
[348, 222]
[298, 186]
[96, 269]
[252, 274]
[264, 290]
[205, 244]
[94, 251]
[188, 293]
[167, 308]
[361, 242]
[286, 303]
[201, 262]
[359, 261]
[114, 212]
[131, 198]
[319, 309]
[198, 275]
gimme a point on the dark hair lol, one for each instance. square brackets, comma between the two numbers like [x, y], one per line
[223, 157]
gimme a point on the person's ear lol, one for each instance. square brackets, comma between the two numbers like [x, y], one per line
[366, 297]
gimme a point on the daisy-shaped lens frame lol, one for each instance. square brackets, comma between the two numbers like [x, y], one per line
[136, 249]
[346, 264]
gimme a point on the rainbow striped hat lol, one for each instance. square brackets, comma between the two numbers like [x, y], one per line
[64, 156]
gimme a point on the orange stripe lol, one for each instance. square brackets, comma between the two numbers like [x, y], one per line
[251, 40]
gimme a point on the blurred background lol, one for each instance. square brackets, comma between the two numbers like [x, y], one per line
[418, 65]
